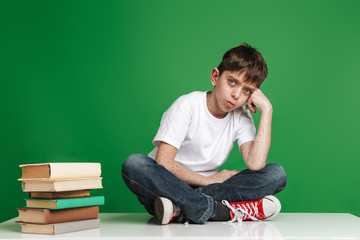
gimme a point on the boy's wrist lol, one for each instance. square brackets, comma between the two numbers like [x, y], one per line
[267, 109]
[209, 180]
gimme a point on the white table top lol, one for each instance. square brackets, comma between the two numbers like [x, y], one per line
[142, 226]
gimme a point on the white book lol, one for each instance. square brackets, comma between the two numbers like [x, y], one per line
[59, 228]
[60, 185]
[60, 170]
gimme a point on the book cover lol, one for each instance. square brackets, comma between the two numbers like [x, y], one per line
[65, 203]
[60, 185]
[60, 170]
[46, 216]
[59, 228]
[59, 195]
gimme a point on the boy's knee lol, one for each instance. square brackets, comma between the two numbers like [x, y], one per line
[276, 172]
[134, 162]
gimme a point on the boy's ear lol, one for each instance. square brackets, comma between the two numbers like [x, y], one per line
[214, 76]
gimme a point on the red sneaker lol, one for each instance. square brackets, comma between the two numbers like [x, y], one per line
[261, 209]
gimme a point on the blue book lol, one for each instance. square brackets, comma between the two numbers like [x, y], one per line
[65, 203]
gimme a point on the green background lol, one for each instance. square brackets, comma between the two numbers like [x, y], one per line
[90, 80]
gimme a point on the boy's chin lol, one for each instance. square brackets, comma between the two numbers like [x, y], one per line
[233, 108]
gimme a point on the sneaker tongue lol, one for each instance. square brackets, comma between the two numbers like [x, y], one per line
[221, 212]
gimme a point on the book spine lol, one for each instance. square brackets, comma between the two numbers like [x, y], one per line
[31, 186]
[63, 185]
[58, 228]
[80, 202]
[72, 214]
[60, 170]
[47, 216]
[59, 195]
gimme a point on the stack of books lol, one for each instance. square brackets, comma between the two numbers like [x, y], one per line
[59, 197]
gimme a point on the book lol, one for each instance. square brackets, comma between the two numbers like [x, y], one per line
[58, 228]
[65, 203]
[46, 216]
[60, 185]
[60, 170]
[59, 195]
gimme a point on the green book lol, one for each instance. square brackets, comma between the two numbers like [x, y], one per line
[65, 203]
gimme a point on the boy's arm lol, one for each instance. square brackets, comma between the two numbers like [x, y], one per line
[166, 157]
[255, 152]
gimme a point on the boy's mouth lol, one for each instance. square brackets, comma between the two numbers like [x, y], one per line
[230, 104]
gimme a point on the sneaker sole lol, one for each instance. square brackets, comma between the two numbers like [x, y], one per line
[276, 203]
[160, 205]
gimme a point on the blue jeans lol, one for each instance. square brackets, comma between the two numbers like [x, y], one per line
[148, 180]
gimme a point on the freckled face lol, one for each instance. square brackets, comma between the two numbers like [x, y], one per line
[231, 91]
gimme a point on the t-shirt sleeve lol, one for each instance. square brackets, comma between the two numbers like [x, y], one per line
[246, 130]
[174, 124]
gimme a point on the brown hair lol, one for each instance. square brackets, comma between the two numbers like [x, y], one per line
[245, 58]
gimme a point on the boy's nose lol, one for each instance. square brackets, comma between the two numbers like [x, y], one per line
[236, 93]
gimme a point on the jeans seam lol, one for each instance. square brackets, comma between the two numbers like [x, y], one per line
[134, 182]
[207, 214]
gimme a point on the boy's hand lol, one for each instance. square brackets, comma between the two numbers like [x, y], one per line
[223, 175]
[258, 100]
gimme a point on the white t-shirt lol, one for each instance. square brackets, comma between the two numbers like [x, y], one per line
[203, 141]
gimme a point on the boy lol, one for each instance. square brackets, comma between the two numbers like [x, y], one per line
[179, 178]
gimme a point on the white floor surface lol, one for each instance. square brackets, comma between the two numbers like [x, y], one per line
[142, 226]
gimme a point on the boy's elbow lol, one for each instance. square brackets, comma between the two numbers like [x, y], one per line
[256, 166]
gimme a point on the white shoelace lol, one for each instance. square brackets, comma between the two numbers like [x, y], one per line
[242, 211]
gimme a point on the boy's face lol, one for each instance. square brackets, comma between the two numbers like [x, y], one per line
[230, 90]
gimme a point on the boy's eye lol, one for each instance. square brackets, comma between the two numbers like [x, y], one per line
[247, 91]
[232, 82]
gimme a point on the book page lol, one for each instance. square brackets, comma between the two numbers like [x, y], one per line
[74, 170]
